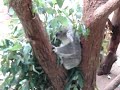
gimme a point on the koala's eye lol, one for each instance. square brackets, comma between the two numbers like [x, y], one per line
[57, 34]
[60, 31]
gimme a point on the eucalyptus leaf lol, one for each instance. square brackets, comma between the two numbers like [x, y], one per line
[54, 1]
[14, 68]
[17, 46]
[11, 12]
[25, 84]
[4, 67]
[60, 3]
[71, 11]
[17, 53]
[6, 2]
[63, 20]
[75, 88]
[50, 11]
[80, 81]
[53, 23]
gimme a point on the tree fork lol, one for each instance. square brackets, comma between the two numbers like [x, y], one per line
[95, 16]
[34, 31]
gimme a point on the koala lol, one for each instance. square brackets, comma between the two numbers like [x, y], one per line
[70, 49]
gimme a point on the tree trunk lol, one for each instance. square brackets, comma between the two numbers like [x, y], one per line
[94, 20]
[39, 41]
[106, 64]
[91, 47]
[95, 15]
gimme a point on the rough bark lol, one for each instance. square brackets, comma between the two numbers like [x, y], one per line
[95, 10]
[95, 21]
[34, 31]
[95, 15]
[106, 64]
[113, 84]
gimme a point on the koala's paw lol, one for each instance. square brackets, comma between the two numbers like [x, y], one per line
[53, 47]
[55, 50]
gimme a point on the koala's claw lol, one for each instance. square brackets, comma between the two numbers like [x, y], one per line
[53, 47]
[55, 50]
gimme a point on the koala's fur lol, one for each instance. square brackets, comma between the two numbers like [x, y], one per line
[70, 49]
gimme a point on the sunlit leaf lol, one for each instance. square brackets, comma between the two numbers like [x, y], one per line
[17, 54]
[6, 2]
[63, 20]
[54, 1]
[11, 12]
[25, 84]
[50, 11]
[16, 47]
[53, 23]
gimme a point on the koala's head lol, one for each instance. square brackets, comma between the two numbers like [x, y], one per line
[62, 35]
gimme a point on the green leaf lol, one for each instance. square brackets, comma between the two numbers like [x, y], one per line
[50, 11]
[80, 79]
[71, 11]
[63, 20]
[70, 78]
[60, 3]
[5, 66]
[40, 3]
[25, 84]
[6, 2]
[14, 67]
[11, 11]
[32, 85]
[7, 82]
[17, 46]
[75, 88]
[54, 1]
[7, 42]
[53, 23]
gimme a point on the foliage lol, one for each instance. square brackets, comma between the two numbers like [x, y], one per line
[18, 61]
[60, 13]
[19, 64]
[57, 14]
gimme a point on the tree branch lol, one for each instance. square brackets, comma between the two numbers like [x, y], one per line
[106, 9]
[102, 12]
[113, 84]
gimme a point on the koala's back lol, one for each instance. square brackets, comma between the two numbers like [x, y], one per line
[73, 47]
[75, 59]
[67, 49]
[70, 54]
[71, 62]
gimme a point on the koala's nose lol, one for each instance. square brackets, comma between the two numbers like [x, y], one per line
[57, 34]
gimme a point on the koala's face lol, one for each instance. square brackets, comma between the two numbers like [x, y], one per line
[61, 35]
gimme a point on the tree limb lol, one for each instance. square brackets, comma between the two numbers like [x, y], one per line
[105, 9]
[113, 84]
[95, 15]
[34, 31]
